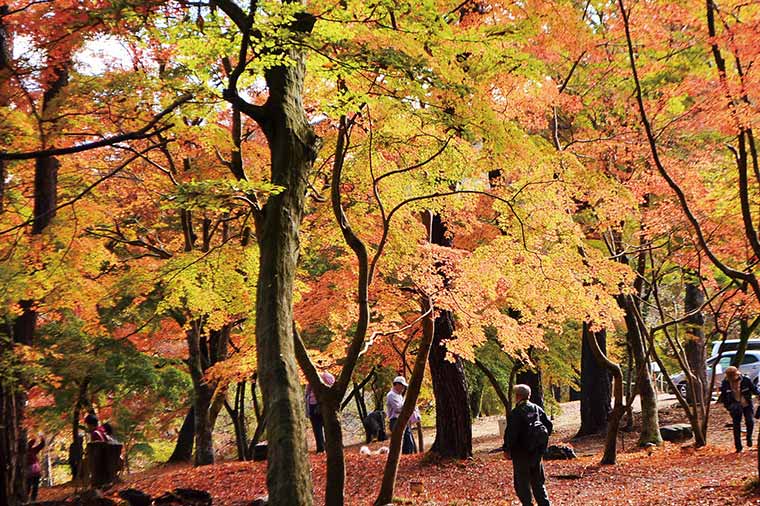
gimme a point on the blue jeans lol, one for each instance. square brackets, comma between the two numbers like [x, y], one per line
[737, 413]
[407, 445]
[318, 426]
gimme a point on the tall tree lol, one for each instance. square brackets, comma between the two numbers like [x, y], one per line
[453, 424]
[293, 147]
[45, 191]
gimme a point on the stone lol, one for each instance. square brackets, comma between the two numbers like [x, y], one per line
[676, 432]
[135, 497]
[260, 451]
[560, 452]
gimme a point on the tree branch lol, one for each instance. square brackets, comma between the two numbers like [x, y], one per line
[84, 192]
[108, 141]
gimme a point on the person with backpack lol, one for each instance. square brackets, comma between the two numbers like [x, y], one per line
[736, 393]
[94, 429]
[525, 440]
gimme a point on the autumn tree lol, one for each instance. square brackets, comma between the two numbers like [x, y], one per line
[714, 94]
[43, 127]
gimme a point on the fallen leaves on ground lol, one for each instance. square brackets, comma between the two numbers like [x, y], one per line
[673, 475]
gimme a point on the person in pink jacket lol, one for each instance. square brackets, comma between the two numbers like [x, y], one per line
[33, 467]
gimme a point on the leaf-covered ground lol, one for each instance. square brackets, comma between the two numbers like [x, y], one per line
[675, 474]
[672, 475]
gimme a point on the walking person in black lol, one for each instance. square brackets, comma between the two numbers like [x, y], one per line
[525, 442]
[736, 392]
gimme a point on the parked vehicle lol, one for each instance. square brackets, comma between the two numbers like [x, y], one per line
[750, 366]
[733, 345]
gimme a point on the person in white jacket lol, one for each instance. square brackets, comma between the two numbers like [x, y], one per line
[394, 401]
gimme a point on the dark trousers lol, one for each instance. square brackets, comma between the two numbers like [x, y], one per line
[407, 445]
[32, 487]
[737, 412]
[318, 426]
[529, 479]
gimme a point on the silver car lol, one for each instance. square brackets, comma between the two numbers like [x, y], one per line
[750, 366]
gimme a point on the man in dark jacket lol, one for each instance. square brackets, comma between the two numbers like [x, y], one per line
[525, 443]
[736, 393]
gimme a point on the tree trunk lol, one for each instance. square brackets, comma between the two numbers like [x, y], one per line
[503, 396]
[610, 446]
[204, 439]
[388, 485]
[13, 390]
[476, 383]
[183, 450]
[746, 329]
[531, 376]
[596, 388]
[204, 350]
[3, 176]
[11, 437]
[261, 426]
[629, 391]
[336, 467]
[293, 146]
[694, 345]
[650, 423]
[76, 449]
[744, 335]
[198, 363]
[453, 425]
[239, 424]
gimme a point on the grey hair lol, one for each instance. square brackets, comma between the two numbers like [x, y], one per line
[521, 391]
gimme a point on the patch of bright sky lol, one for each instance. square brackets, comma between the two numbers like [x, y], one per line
[96, 57]
[103, 54]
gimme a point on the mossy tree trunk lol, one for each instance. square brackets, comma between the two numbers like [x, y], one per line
[293, 146]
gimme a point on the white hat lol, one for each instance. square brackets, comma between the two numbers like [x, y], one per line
[400, 379]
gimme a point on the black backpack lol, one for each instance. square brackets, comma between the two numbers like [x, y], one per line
[536, 433]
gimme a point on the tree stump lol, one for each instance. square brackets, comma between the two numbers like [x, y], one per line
[103, 463]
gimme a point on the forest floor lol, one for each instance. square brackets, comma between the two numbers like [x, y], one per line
[675, 474]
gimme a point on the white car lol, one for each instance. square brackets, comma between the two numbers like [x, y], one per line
[750, 366]
[733, 345]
